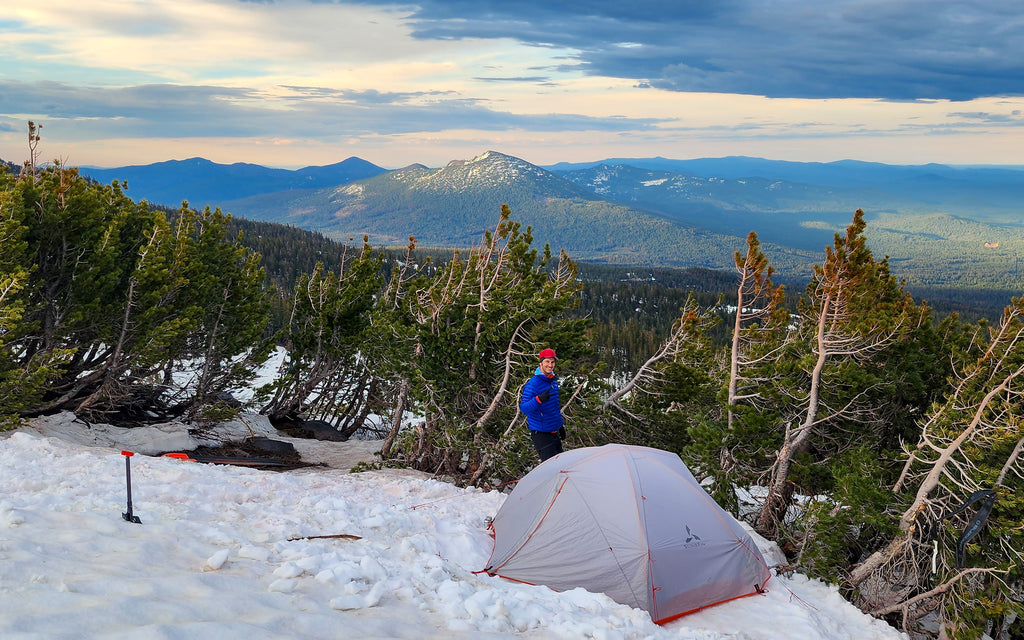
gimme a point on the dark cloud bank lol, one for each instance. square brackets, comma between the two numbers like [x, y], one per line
[888, 49]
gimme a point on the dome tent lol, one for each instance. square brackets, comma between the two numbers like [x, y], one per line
[631, 522]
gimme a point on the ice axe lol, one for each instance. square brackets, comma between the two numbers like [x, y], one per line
[127, 515]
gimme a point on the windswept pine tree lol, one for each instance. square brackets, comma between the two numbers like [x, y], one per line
[958, 547]
[327, 374]
[110, 298]
[469, 335]
[854, 309]
[22, 381]
[225, 306]
[759, 327]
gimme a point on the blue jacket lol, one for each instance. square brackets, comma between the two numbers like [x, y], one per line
[546, 416]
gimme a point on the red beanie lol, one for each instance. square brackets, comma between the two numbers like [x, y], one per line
[548, 353]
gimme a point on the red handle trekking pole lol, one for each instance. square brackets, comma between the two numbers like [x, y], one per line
[127, 515]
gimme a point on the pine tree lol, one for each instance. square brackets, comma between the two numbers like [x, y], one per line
[476, 324]
[117, 295]
[759, 328]
[854, 309]
[327, 374]
[84, 239]
[228, 309]
[21, 381]
[972, 442]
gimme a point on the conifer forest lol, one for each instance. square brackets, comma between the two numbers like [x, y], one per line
[879, 439]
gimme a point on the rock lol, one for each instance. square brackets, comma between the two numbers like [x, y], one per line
[271, 446]
[321, 430]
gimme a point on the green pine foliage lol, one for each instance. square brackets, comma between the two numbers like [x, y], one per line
[471, 333]
[668, 393]
[85, 242]
[855, 515]
[113, 297]
[327, 374]
[22, 382]
[226, 304]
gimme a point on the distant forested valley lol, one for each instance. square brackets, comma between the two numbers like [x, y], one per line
[631, 308]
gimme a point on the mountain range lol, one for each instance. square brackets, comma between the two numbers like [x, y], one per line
[202, 182]
[940, 225]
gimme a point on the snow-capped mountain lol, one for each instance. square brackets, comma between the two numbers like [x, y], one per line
[491, 170]
[453, 205]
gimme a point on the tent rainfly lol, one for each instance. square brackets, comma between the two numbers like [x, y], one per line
[631, 522]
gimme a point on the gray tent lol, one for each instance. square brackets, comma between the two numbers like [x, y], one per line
[631, 522]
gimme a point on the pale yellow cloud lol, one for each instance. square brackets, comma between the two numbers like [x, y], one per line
[252, 44]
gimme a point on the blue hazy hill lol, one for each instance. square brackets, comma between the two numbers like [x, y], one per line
[202, 182]
[841, 173]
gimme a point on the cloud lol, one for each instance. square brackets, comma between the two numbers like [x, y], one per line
[889, 49]
[1015, 118]
[182, 111]
[516, 79]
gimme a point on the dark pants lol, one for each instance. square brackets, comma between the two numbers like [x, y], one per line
[547, 443]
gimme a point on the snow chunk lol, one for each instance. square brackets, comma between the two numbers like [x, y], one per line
[217, 560]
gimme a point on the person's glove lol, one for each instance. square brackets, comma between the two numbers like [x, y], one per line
[543, 397]
[561, 433]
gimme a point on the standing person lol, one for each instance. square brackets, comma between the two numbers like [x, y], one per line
[542, 409]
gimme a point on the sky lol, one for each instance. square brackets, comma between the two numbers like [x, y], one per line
[225, 552]
[294, 83]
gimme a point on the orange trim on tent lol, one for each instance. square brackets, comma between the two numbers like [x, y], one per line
[686, 613]
[515, 580]
[539, 522]
[650, 580]
[759, 591]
